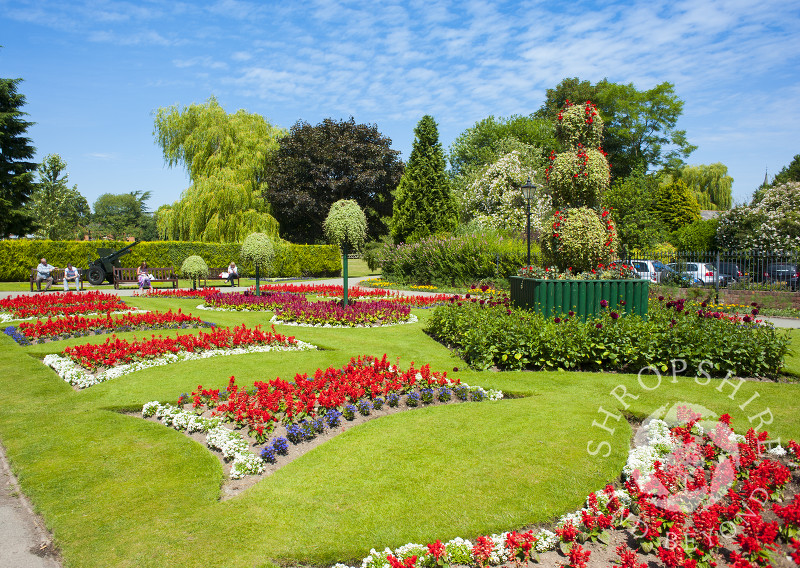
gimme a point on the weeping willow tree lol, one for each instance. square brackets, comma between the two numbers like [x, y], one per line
[225, 156]
[711, 185]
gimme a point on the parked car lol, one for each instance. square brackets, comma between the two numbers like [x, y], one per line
[731, 271]
[777, 272]
[699, 273]
[647, 269]
[672, 276]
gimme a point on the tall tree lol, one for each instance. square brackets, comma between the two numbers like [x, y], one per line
[423, 203]
[316, 166]
[16, 165]
[60, 211]
[676, 205]
[711, 185]
[490, 138]
[640, 126]
[123, 215]
[633, 202]
[788, 173]
[225, 156]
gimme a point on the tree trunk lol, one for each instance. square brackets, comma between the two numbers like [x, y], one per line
[344, 273]
[258, 283]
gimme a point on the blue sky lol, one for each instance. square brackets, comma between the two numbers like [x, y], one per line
[94, 71]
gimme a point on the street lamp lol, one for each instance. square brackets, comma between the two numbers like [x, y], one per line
[529, 191]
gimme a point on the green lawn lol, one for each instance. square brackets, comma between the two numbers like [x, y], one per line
[124, 492]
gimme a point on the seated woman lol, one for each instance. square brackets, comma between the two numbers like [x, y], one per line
[71, 274]
[233, 272]
[143, 276]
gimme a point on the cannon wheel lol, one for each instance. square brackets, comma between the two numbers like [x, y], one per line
[96, 276]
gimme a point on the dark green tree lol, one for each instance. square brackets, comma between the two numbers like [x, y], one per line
[423, 203]
[16, 162]
[676, 205]
[640, 126]
[788, 173]
[315, 166]
[60, 211]
[123, 215]
[632, 201]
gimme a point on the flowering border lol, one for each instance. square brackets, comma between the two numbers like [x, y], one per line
[76, 376]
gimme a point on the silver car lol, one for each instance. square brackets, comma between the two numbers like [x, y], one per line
[700, 273]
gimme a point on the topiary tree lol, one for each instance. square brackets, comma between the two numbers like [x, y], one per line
[194, 267]
[581, 240]
[257, 248]
[346, 226]
[581, 237]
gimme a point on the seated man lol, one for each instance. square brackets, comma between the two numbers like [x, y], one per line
[43, 275]
[71, 275]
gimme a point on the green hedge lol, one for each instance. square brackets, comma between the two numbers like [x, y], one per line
[17, 257]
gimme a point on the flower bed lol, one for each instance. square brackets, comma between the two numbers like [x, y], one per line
[741, 521]
[332, 313]
[249, 302]
[305, 408]
[200, 293]
[77, 326]
[59, 304]
[489, 333]
[328, 290]
[86, 365]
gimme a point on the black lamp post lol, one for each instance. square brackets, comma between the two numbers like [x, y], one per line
[529, 190]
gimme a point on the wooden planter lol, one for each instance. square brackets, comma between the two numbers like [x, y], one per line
[555, 297]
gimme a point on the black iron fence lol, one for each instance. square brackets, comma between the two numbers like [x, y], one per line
[754, 269]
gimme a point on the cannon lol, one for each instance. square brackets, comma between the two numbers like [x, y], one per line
[103, 268]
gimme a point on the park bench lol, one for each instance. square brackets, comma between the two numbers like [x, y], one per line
[128, 276]
[214, 274]
[58, 278]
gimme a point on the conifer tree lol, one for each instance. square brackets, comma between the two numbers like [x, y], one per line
[677, 205]
[16, 165]
[423, 204]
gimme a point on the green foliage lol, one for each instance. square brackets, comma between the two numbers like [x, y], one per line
[123, 215]
[490, 138]
[346, 224]
[60, 211]
[676, 205]
[194, 267]
[491, 336]
[455, 260]
[423, 203]
[257, 249]
[639, 125]
[701, 235]
[711, 185]
[315, 166]
[580, 240]
[632, 201]
[18, 256]
[579, 125]
[16, 167]
[226, 156]
[788, 173]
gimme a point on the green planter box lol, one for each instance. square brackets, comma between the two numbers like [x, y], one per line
[554, 297]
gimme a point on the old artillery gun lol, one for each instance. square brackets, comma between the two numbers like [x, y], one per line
[103, 268]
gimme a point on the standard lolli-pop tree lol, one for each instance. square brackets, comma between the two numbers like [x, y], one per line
[583, 236]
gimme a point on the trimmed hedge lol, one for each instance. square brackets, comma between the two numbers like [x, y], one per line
[18, 256]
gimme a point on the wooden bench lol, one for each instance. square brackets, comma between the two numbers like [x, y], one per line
[214, 274]
[128, 276]
[58, 277]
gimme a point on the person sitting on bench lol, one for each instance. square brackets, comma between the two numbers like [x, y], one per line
[71, 275]
[43, 275]
[143, 277]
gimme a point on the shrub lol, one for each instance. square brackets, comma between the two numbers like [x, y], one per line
[701, 235]
[257, 249]
[456, 260]
[346, 224]
[516, 339]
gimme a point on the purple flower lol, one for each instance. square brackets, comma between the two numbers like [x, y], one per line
[614, 315]
[603, 303]
[557, 320]
[599, 326]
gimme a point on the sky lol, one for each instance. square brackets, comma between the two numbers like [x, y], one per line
[95, 71]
